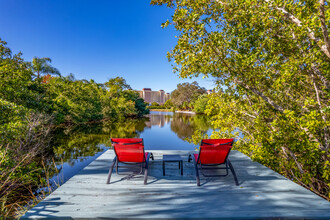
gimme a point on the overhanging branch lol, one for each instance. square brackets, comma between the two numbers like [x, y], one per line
[310, 33]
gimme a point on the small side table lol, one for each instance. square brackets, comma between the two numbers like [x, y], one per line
[170, 159]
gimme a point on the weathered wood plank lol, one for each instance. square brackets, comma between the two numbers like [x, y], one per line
[262, 193]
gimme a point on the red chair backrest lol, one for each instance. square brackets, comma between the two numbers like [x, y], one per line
[129, 150]
[132, 153]
[217, 141]
[127, 141]
[214, 151]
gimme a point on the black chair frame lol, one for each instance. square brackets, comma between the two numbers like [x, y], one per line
[144, 165]
[199, 166]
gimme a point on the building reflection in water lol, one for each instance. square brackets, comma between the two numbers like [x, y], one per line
[159, 119]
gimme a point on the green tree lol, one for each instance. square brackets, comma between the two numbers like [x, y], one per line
[16, 83]
[201, 103]
[168, 104]
[75, 101]
[116, 85]
[119, 101]
[186, 93]
[272, 60]
[154, 104]
[42, 66]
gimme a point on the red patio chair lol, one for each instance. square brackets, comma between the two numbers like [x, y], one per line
[130, 151]
[212, 154]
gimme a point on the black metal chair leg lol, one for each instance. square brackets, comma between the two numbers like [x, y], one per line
[146, 169]
[181, 168]
[233, 172]
[111, 168]
[197, 176]
[117, 167]
[196, 170]
[145, 175]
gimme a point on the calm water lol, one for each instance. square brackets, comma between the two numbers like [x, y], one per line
[74, 148]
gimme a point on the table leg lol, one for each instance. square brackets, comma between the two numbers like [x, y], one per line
[181, 168]
[163, 168]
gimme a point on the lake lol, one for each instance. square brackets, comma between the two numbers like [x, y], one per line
[76, 147]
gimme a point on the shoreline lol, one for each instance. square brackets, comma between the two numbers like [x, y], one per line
[160, 110]
[169, 110]
[186, 112]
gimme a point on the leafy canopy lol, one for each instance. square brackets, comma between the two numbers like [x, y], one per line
[271, 59]
[186, 93]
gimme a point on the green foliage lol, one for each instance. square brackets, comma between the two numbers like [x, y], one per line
[13, 121]
[271, 60]
[201, 103]
[155, 105]
[116, 85]
[120, 102]
[168, 104]
[16, 84]
[28, 105]
[75, 101]
[185, 94]
[22, 141]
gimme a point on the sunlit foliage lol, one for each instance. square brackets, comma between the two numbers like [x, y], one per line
[31, 105]
[271, 60]
[186, 94]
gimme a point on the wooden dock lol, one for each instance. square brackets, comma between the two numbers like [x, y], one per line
[262, 193]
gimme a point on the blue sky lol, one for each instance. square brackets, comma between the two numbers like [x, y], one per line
[95, 39]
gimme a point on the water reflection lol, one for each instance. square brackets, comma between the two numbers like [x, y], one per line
[170, 129]
[74, 148]
[159, 119]
[184, 125]
[78, 142]
[130, 128]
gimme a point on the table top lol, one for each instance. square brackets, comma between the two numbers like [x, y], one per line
[172, 157]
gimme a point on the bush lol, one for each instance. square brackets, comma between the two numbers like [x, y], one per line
[24, 136]
[200, 104]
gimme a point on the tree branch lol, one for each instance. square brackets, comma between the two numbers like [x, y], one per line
[325, 130]
[324, 26]
[220, 2]
[254, 90]
[257, 92]
[310, 33]
[320, 75]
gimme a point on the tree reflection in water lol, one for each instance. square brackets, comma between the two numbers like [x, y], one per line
[78, 142]
[187, 125]
[87, 140]
[76, 146]
[82, 141]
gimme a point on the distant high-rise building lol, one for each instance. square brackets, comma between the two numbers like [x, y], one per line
[154, 96]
